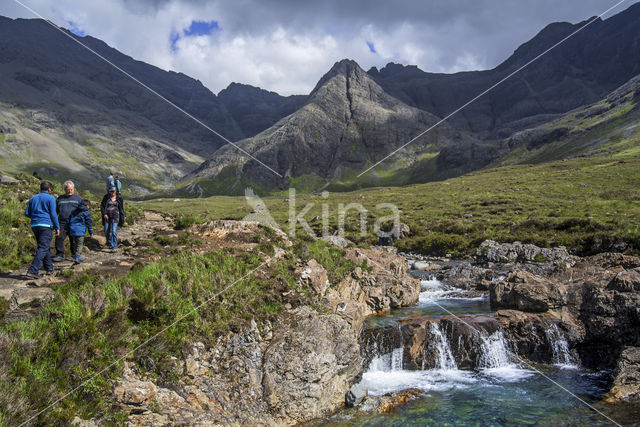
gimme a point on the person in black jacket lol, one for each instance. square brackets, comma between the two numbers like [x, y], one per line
[112, 210]
[65, 205]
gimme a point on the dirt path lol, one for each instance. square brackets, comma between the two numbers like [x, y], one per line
[25, 296]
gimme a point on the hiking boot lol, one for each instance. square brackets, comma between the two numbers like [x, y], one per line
[32, 276]
[77, 260]
[114, 250]
[50, 272]
[57, 258]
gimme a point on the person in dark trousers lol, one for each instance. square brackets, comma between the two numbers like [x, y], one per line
[79, 222]
[65, 205]
[112, 210]
[118, 185]
[42, 211]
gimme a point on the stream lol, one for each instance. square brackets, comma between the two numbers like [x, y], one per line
[499, 389]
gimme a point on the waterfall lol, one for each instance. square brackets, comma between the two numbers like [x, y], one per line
[494, 351]
[561, 355]
[385, 349]
[444, 358]
[396, 359]
[388, 362]
[378, 343]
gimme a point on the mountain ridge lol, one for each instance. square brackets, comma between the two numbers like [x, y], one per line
[57, 92]
[582, 70]
[347, 122]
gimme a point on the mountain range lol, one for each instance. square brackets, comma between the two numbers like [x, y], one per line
[65, 112]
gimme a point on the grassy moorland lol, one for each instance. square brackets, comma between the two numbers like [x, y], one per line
[590, 201]
[589, 204]
[94, 322]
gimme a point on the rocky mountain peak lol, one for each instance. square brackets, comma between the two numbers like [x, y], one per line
[344, 69]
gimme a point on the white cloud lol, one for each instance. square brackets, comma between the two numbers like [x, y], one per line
[286, 47]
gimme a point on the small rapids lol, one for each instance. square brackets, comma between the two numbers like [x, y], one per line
[497, 389]
[386, 374]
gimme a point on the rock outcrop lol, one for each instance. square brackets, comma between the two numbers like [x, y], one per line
[383, 285]
[535, 335]
[290, 371]
[491, 251]
[626, 385]
[421, 338]
[309, 365]
[526, 292]
[593, 304]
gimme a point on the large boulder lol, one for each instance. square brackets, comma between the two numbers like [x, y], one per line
[526, 292]
[309, 366]
[626, 384]
[391, 277]
[7, 180]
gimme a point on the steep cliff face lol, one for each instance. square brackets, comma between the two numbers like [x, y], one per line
[348, 123]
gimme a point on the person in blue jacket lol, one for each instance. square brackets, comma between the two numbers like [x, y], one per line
[79, 222]
[42, 211]
[118, 185]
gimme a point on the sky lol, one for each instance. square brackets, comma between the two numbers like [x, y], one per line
[287, 45]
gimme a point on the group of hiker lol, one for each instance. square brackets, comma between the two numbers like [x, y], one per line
[69, 215]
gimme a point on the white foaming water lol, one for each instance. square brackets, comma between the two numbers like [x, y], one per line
[396, 359]
[560, 347]
[390, 362]
[386, 374]
[495, 360]
[445, 358]
[433, 290]
[494, 351]
[381, 382]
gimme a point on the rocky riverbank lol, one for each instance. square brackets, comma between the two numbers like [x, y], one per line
[288, 371]
[592, 302]
[301, 366]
